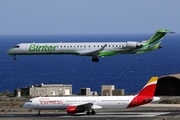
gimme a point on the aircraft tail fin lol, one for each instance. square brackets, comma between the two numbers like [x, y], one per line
[146, 95]
[158, 36]
[149, 88]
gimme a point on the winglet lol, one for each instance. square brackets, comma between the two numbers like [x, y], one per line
[102, 48]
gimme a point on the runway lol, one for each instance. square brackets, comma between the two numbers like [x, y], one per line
[84, 116]
[102, 116]
[160, 112]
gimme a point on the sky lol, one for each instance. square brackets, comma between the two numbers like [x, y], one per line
[88, 16]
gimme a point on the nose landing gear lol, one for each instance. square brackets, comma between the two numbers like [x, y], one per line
[14, 57]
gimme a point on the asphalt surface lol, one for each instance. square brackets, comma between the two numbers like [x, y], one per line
[147, 112]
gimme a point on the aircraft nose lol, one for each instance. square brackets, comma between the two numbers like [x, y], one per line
[26, 105]
[10, 51]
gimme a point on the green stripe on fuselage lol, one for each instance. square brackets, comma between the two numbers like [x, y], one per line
[108, 53]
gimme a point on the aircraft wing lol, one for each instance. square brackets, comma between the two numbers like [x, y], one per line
[85, 106]
[93, 53]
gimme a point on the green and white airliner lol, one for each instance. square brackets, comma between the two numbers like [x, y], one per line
[94, 49]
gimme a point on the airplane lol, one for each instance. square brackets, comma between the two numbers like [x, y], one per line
[88, 104]
[93, 49]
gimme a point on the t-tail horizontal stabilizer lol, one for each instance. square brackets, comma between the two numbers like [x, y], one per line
[157, 37]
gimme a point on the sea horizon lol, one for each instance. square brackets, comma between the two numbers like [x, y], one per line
[127, 71]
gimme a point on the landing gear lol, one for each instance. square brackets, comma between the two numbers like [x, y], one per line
[39, 112]
[14, 57]
[91, 112]
[95, 59]
[88, 113]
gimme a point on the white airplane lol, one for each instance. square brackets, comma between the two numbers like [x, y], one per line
[94, 49]
[75, 104]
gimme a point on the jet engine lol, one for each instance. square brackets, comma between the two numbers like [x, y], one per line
[74, 109]
[131, 44]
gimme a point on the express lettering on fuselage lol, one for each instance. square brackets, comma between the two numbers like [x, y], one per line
[43, 102]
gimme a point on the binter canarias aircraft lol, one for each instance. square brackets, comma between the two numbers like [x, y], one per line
[90, 103]
[94, 49]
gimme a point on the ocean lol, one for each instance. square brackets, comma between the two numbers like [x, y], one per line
[125, 71]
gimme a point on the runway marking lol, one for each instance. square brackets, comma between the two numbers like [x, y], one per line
[123, 114]
[9, 115]
[178, 116]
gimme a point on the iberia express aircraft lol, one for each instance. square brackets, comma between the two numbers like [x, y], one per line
[94, 49]
[78, 104]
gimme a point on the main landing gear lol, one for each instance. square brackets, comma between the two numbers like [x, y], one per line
[91, 112]
[95, 59]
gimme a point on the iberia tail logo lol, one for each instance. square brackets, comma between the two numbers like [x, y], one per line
[146, 94]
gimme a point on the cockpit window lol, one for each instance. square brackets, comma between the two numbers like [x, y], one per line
[17, 46]
[29, 101]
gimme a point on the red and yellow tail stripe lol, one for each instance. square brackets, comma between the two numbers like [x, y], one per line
[146, 94]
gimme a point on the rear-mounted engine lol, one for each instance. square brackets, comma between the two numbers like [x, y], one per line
[131, 44]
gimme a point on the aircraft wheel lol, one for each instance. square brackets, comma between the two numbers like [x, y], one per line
[88, 113]
[93, 112]
[14, 57]
[93, 60]
[97, 59]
